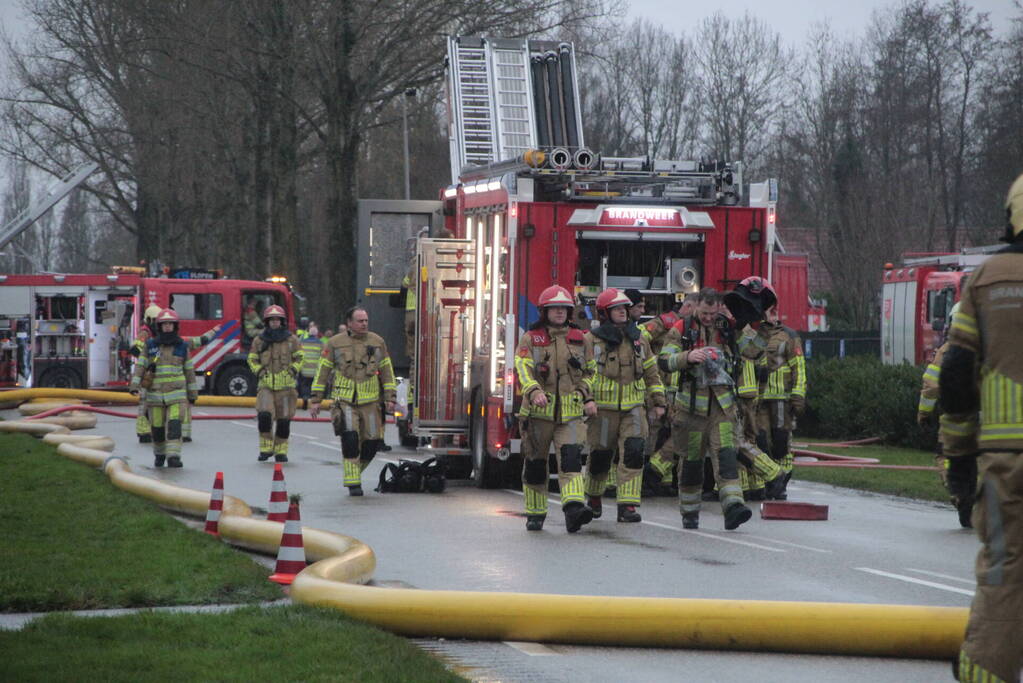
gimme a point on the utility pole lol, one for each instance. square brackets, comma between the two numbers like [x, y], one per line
[409, 94]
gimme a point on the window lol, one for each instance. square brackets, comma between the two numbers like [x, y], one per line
[261, 300]
[198, 306]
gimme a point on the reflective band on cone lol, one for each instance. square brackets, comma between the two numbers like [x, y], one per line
[291, 555]
[216, 505]
[277, 511]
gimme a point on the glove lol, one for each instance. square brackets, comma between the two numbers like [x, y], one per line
[798, 404]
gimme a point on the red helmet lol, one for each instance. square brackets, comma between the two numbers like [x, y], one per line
[610, 298]
[167, 315]
[274, 311]
[755, 284]
[555, 295]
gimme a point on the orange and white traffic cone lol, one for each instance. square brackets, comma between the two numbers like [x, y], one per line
[291, 555]
[216, 505]
[278, 509]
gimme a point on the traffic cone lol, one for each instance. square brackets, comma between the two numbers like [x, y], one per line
[278, 508]
[216, 505]
[291, 555]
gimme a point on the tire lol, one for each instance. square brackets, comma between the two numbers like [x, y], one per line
[61, 378]
[457, 466]
[487, 472]
[236, 380]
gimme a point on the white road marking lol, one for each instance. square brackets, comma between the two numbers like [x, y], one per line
[244, 424]
[942, 576]
[798, 545]
[715, 537]
[531, 649]
[910, 579]
[328, 446]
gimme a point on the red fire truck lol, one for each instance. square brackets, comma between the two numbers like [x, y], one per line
[917, 299]
[531, 206]
[75, 331]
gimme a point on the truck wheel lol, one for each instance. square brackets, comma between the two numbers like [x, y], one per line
[236, 380]
[487, 471]
[60, 378]
[457, 466]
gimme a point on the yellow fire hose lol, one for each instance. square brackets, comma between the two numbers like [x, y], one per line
[341, 562]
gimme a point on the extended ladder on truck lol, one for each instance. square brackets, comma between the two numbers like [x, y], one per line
[23, 220]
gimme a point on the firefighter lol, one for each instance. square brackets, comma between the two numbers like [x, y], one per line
[276, 359]
[925, 417]
[165, 371]
[550, 363]
[621, 372]
[638, 307]
[312, 346]
[138, 346]
[359, 366]
[303, 327]
[251, 322]
[781, 397]
[146, 331]
[663, 458]
[705, 411]
[980, 384]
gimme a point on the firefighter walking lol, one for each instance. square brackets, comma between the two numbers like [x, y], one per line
[359, 366]
[275, 358]
[621, 372]
[138, 346]
[165, 371]
[663, 459]
[312, 347]
[550, 362]
[980, 388]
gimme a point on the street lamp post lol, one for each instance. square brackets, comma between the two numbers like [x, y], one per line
[409, 94]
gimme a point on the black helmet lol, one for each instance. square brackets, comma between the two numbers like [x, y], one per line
[749, 300]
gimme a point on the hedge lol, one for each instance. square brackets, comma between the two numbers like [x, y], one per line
[858, 397]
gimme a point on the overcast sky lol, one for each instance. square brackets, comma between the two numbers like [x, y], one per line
[792, 18]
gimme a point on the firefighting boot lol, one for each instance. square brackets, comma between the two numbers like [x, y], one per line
[355, 490]
[775, 489]
[596, 506]
[159, 459]
[174, 461]
[736, 514]
[186, 439]
[576, 515]
[535, 522]
[627, 513]
[690, 520]
[145, 438]
[264, 456]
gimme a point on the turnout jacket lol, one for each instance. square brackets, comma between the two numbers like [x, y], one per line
[621, 371]
[929, 386]
[983, 367]
[170, 369]
[276, 362]
[552, 360]
[779, 374]
[360, 367]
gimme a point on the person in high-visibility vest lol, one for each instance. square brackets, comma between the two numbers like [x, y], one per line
[275, 358]
[621, 372]
[981, 392]
[550, 363]
[359, 367]
[165, 371]
[312, 347]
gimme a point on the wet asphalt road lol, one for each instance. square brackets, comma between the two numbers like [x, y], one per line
[873, 549]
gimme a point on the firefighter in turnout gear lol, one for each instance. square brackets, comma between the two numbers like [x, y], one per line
[621, 372]
[663, 459]
[165, 371]
[779, 396]
[705, 411]
[981, 385]
[359, 366]
[550, 362]
[275, 358]
[138, 346]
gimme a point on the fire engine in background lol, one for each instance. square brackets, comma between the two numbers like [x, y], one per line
[917, 299]
[75, 331]
[531, 206]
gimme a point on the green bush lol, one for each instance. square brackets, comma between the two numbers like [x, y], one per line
[859, 397]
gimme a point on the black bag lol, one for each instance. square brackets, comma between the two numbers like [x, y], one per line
[433, 472]
[405, 477]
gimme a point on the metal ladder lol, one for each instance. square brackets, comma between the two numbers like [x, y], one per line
[513, 101]
[472, 141]
[23, 220]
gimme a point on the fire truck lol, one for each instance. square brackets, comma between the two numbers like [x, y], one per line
[917, 299]
[75, 331]
[529, 206]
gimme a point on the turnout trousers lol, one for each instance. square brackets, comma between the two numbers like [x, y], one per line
[568, 438]
[993, 650]
[625, 431]
[361, 430]
[716, 434]
[274, 410]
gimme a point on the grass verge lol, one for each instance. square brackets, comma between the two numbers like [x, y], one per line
[293, 643]
[922, 485]
[73, 541]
